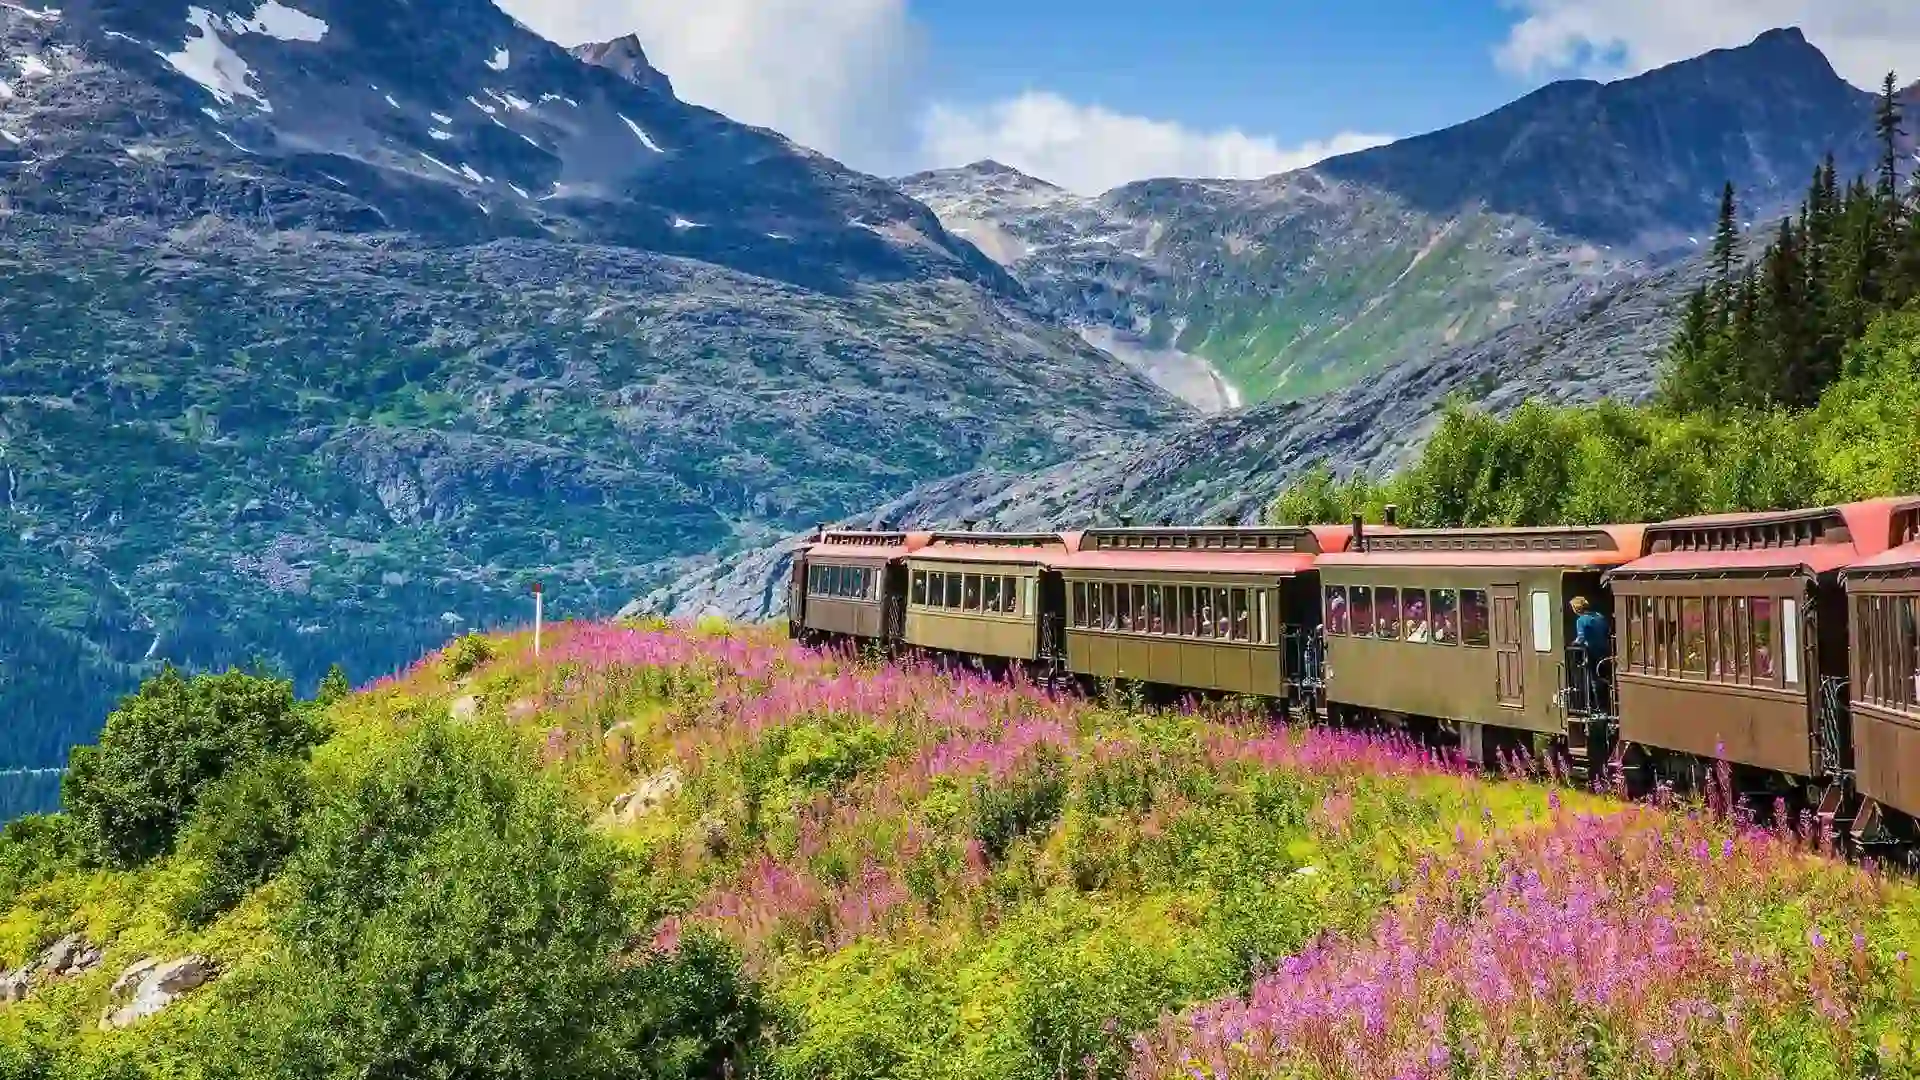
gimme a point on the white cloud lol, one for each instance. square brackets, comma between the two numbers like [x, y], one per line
[1608, 38]
[829, 74]
[1089, 149]
[837, 75]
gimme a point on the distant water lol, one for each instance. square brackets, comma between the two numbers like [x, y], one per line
[28, 791]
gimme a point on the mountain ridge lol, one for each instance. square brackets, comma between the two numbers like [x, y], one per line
[333, 315]
[1299, 283]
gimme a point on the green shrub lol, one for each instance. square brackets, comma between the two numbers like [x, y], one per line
[33, 851]
[466, 655]
[240, 835]
[129, 795]
[815, 757]
[1025, 805]
[450, 913]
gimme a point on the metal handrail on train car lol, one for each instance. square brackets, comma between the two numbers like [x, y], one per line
[1306, 657]
[1834, 711]
[1581, 693]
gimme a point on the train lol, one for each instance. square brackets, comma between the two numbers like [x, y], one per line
[1776, 650]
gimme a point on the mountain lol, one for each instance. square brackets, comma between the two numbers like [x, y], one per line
[325, 325]
[1226, 468]
[1295, 285]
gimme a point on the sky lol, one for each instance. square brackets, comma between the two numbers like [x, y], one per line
[1090, 94]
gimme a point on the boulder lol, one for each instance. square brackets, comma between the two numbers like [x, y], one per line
[150, 986]
[651, 794]
[464, 708]
[14, 985]
[71, 955]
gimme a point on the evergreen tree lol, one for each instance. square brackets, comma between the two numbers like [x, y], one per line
[1726, 246]
[1887, 128]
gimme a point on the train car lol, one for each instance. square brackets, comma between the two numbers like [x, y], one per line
[1883, 612]
[1224, 609]
[984, 594]
[852, 586]
[1462, 634]
[1735, 646]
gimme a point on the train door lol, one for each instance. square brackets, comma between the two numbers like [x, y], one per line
[1509, 686]
[797, 599]
[893, 612]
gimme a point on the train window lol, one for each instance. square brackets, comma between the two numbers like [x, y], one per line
[1909, 654]
[1222, 616]
[1360, 610]
[1386, 613]
[1109, 607]
[1009, 594]
[1415, 617]
[956, 584]
[920, 587]
[1242, 618]
[1093, 605]
[1156, 618]
[1139, 609]
[1743, 642]
[1693, 636]
[970, 593]
[1762, 607]
[1187, 628]
[1203, 612]
[1790, 641]
[936, 589]
[1079, 603]
[1122, 608]
[1542, 622]
[1731, 644]
[990, 599]
[1446, 617]
[1474, 623]
[1336, 615]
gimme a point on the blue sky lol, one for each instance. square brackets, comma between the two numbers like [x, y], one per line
[1285, 68]
[1092, 94]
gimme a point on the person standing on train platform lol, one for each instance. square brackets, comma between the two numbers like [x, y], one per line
[1595, 638]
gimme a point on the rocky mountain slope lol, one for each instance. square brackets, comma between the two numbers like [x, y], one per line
[324, 325]
[1298, 284]
[1227, 468]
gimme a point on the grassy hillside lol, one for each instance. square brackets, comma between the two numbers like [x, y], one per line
[660, 851]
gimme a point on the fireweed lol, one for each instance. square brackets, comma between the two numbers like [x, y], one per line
[1640, 943]
[1464, 929]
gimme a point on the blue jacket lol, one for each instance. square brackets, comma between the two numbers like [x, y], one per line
[1590, 633]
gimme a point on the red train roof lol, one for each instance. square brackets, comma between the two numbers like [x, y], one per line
[1188, 561]
[1870, 530]
[1814, 558]
[1905, 557]
[1574, 546]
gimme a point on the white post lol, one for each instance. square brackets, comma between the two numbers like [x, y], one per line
[536, 618]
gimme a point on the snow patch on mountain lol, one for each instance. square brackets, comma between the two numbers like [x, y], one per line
[277, 20]
[206, 58]
[502, 59]
[42, 15]
[645, 139]
[32, 67]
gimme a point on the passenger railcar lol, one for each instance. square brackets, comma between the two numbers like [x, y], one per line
[1464, 634]
[1225, 609]
[980, 594]
[1734, 632]
[851, 585]
[1883, 604]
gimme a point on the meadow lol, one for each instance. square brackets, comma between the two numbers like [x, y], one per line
[703, 851]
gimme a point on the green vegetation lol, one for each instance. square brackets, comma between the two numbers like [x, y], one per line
[695, 852]
[1793, 383]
